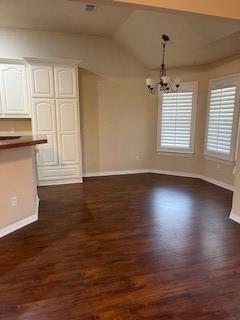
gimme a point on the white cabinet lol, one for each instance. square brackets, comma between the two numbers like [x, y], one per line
[65, 81]
[44, 122]
[41, 77]
[55, 111]
[13, 91]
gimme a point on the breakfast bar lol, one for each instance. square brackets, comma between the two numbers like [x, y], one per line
[18, 183]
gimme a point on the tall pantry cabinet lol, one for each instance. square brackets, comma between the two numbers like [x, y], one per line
[55, 113]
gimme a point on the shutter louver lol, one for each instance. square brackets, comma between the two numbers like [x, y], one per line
[176, 120]
[220, 120]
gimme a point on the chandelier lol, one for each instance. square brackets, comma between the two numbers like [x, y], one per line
[165, 83]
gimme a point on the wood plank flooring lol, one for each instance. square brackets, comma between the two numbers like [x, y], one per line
[125, 248]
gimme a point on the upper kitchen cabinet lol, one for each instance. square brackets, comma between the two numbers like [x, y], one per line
[13, 91]
[41, 77]
[65, 81]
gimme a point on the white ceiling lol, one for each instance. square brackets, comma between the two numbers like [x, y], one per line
[61, 15]
[195, 39]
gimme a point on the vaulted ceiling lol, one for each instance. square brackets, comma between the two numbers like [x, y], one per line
[195, 39]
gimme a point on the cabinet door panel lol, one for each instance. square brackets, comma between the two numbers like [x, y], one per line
[67, 115]
[42, 81]
[44, 116]
[67, 121]
[44, 122]
[65, 81]
[69, 148]
[14, 90]
[48, 153]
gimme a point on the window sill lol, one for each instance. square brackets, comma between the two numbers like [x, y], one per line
[175, 153]
[219, 160]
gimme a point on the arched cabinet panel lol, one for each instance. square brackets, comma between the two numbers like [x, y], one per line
[65, 81]
[42, 81]
[13, 91]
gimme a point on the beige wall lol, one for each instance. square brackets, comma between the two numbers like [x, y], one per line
[15, 124]
[119, 118]
[214, 169]
[181, 162]
[116, 123]
[115, 107]
[17, 179]
[197, 163]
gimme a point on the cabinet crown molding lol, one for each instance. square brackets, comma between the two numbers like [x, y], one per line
[11, 60]
[52, 61]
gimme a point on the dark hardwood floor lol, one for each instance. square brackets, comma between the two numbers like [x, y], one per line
[125, 248]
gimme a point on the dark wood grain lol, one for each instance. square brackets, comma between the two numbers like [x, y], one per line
[128, 247]
[23, 141]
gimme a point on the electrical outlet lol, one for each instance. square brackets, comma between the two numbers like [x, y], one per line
[14, 201]
[137, 158]
[12, 130]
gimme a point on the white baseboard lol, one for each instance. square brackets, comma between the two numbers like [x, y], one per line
[175, 173]
[235, 217]
[217, 183]
[58, 182]
[165, 172]
[115, 173]
[22, 223]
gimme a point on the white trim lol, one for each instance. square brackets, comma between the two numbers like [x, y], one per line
[115, 173]
[42, 183]
[219, 83]
[221, 161]
[235, 217]
[52, 60]
[164, 172]
[175, 173]
[22, 223]
[217, 183]
[185, 86]
[12, 60]
[164, 152]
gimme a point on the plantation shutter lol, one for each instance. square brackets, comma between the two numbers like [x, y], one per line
[176, 121]
[220, 120]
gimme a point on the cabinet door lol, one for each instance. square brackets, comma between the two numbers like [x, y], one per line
[68, 131]
[44, 122]
[42, 81]
[65, 81]
[14, 90]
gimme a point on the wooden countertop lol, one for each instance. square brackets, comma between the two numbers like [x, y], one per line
[16, 141]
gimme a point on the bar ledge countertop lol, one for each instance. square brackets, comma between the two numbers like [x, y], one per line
[16, 140]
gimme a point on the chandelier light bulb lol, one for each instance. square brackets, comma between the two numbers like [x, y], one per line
[165, 79]
[177, 81]
[149, 82]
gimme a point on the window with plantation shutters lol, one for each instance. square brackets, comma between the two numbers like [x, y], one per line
[222, 118]
[177, 118]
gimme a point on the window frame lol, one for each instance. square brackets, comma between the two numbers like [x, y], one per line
[185, 86]
[220, 83]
